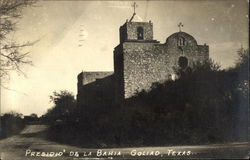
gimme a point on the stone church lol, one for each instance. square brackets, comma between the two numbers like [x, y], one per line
[140, 61]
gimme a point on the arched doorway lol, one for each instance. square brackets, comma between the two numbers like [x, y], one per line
[183, 62]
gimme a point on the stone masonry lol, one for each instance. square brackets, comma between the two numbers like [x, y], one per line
[140, 61]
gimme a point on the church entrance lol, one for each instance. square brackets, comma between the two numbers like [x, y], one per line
[184, 68]
[183, 62]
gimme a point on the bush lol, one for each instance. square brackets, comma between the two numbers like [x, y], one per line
[11, 123]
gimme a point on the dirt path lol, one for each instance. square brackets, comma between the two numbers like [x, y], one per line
[30, 144]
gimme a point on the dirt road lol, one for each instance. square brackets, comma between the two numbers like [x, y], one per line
[30, 144]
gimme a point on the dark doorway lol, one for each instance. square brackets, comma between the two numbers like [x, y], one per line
[183, 62]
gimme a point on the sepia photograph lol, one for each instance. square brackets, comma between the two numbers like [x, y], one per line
[146, 79]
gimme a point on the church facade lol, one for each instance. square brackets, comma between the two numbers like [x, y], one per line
[140, 61]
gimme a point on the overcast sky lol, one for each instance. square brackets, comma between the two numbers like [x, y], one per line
[62, 53]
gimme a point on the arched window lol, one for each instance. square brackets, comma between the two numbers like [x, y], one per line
[139, 33]
[181, 41]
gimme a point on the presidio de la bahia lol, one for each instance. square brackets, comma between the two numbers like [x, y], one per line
[140, 61]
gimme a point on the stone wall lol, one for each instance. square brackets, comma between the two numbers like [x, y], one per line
[118, 73]
[192, 51]
[88, 77]
[95, 88]
[145, 63]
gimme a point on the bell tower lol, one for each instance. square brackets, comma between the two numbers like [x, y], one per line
[136, 40]
[136, 29]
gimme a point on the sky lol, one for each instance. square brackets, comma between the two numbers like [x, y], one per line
[77, 36]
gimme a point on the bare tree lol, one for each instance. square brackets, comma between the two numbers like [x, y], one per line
[12, 54]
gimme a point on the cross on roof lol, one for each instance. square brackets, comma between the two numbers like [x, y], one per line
[180, 25]
[134, 6]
